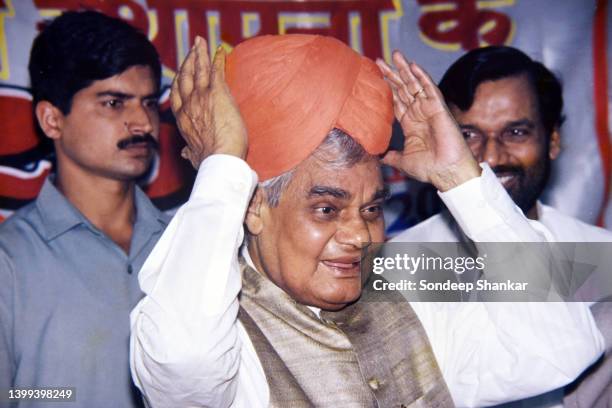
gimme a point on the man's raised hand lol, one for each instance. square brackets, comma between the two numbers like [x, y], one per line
[434, 149]
[205, 111]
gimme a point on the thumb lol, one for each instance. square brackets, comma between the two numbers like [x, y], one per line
[393, 158]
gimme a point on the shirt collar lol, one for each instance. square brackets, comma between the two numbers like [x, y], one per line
[59, 215]
[149, 221]
[147, 214]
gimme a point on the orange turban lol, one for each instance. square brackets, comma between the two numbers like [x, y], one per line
[292, 90]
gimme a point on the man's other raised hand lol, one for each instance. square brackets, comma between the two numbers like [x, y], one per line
[434, 149]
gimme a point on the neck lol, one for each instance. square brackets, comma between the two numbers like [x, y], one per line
[532, 214]
[108, 204]
[254, 254]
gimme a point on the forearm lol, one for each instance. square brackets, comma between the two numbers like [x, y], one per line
[185, 347]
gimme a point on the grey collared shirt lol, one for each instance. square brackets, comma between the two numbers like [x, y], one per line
[66, 291]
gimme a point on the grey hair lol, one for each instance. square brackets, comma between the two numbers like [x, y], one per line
[338, 150]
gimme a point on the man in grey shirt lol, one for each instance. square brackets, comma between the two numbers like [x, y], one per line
[69, 261]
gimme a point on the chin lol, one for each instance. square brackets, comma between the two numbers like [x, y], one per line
[137, 172]
[339, 300]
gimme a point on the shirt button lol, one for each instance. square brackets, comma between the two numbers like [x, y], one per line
[374, 384]
[130, 269]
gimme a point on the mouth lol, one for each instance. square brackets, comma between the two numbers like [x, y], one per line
[139, 145]
[345, 267]
[507, 179]
[141, 150]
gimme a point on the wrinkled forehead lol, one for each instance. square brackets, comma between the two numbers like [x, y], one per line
[316, 177]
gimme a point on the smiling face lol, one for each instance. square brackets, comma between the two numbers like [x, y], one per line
[503, 128]
[310, 245]
[111, 129]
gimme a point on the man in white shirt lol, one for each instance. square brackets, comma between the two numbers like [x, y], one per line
[509, 109]
[290, 331]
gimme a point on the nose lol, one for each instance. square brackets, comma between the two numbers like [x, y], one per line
[491, 152]
[141, 121]
[354, 232]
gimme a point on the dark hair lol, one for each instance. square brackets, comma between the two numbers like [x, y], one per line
[80, 47]
[459, 83]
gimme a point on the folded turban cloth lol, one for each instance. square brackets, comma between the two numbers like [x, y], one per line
[292, 90]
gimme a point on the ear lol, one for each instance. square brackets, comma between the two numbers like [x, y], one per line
[254, 216]
[50, 119]
[554, 147]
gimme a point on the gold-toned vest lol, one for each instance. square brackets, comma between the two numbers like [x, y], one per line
[370, 354]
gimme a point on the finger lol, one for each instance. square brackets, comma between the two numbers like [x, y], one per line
[202, 63]
[175, 97]
[401, 93]
[218, 74]
[395, 81]
[410, 82]
[185, 153]
[413, 85]
[423, 77]
[399, 60]
[389, 73]
[186, 73]
[405, 96]
[384, 67]
[399, 107]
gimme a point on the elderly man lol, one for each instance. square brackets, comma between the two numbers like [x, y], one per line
[281, 323]
[509, 108]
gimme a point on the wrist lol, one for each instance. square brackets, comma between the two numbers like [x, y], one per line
[237, 152]
[456, 174]
[237, 148]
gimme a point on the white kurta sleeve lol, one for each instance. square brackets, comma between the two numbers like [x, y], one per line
[185, 345]
[486, 213]
[491, 353]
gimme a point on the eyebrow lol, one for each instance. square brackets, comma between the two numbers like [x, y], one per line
[124, 96]
[383, 193]
[318, 191]
[115, 94]
[522, 122]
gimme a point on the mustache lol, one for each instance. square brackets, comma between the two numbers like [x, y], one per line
[137, 139]
[508, 169]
